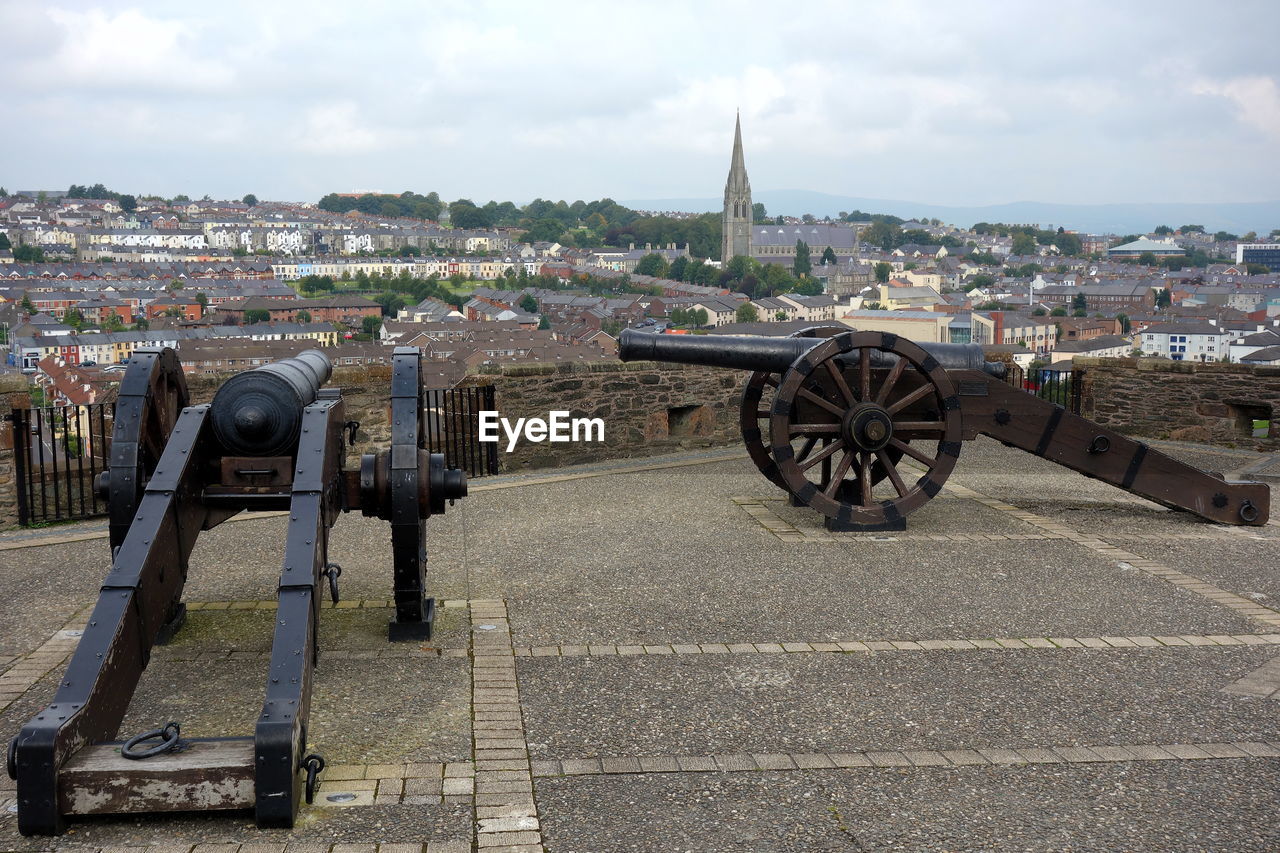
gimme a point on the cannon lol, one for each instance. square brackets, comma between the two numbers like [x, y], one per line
[272, 439]
[865, 427]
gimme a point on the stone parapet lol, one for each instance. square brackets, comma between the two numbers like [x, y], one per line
[1211, 402]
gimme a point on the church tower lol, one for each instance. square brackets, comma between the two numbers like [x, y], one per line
[738, 215]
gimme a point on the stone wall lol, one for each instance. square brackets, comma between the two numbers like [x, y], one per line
[13, 394]
[366, 391]
[647, 408]
[1183, 401]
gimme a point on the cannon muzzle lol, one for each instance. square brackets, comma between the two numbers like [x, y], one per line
[259, 412]
[775, 355]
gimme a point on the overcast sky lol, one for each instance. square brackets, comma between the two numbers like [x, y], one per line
[938, 102]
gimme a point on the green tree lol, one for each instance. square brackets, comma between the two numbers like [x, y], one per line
[4, 243]
[370, 325]
[256, 315]
[678, 316]
[1163, 299]
[677, 269]
[73, 318]
[303, 316]
[883, 270]
[698, 317]
[1039, 312]
[545, 230]
[1162, 230]
[113, 323]
[1059, 311]
[1147, 258]
[651, 264]
[1079, 303]
[747, 313]
[1257, 269]
[544, 322]
[128, 203]
[1224, 236]
[759, 215]
[802, 266]
[809, 287]
[250, 199]
[528, 304]
[1024, 244]
[28, 254]
[829, 256]
[1192, 229]
[203, 300]
[776, 279]
[1125, 324]
[886, 235]
[27, 304]
[979, 280]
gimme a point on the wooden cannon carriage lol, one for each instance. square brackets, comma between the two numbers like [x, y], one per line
[865, 427]
[272, 439]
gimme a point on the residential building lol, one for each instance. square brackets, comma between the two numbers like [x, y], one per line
[1191, 340]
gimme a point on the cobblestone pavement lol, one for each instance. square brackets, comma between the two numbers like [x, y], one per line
[664, 655]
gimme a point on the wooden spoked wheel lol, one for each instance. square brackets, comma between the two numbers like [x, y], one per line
[870, 395]
[152, 395]
[756, 408]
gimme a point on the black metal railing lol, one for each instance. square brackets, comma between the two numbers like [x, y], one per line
[452, 419]
[1057, 386]
[58, 451]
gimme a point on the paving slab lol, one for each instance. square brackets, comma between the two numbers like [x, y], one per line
[1224, 805]
[1241, 564]
[607, 577]
[807, 703]
[403, 823]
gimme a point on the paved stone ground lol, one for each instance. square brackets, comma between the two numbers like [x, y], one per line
[664, 655]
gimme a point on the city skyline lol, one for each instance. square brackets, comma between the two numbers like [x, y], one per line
[977, 105]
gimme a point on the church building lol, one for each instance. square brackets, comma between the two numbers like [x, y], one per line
[738, 214]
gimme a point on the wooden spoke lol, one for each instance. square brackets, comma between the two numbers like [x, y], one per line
[920, 426]
[892, 471]
[864, 477]
[809, 429]
[917, 455]
[864, 373]
[837, 376]
[892, 379]
[838, 477]
[771, 380]
[763, 414]
[807, 448]
[918, 394]
[825, 453]
[821, 401]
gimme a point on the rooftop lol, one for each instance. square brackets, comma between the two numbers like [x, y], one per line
[700, 666]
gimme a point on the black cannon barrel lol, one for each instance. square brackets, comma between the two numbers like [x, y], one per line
[259, 412]
[774, 355]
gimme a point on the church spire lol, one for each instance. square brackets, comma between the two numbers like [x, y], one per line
[736, 234]
[737, 165]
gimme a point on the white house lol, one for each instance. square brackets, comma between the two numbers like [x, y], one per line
[1191, 340]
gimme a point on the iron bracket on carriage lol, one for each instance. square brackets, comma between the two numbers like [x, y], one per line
[271, 439]
[865, 427]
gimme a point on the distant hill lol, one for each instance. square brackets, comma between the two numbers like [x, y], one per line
[1235, 217]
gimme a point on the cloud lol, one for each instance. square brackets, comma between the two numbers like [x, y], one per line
[953, 103]
[127, 51]
[1256, 99]
[339, 128]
